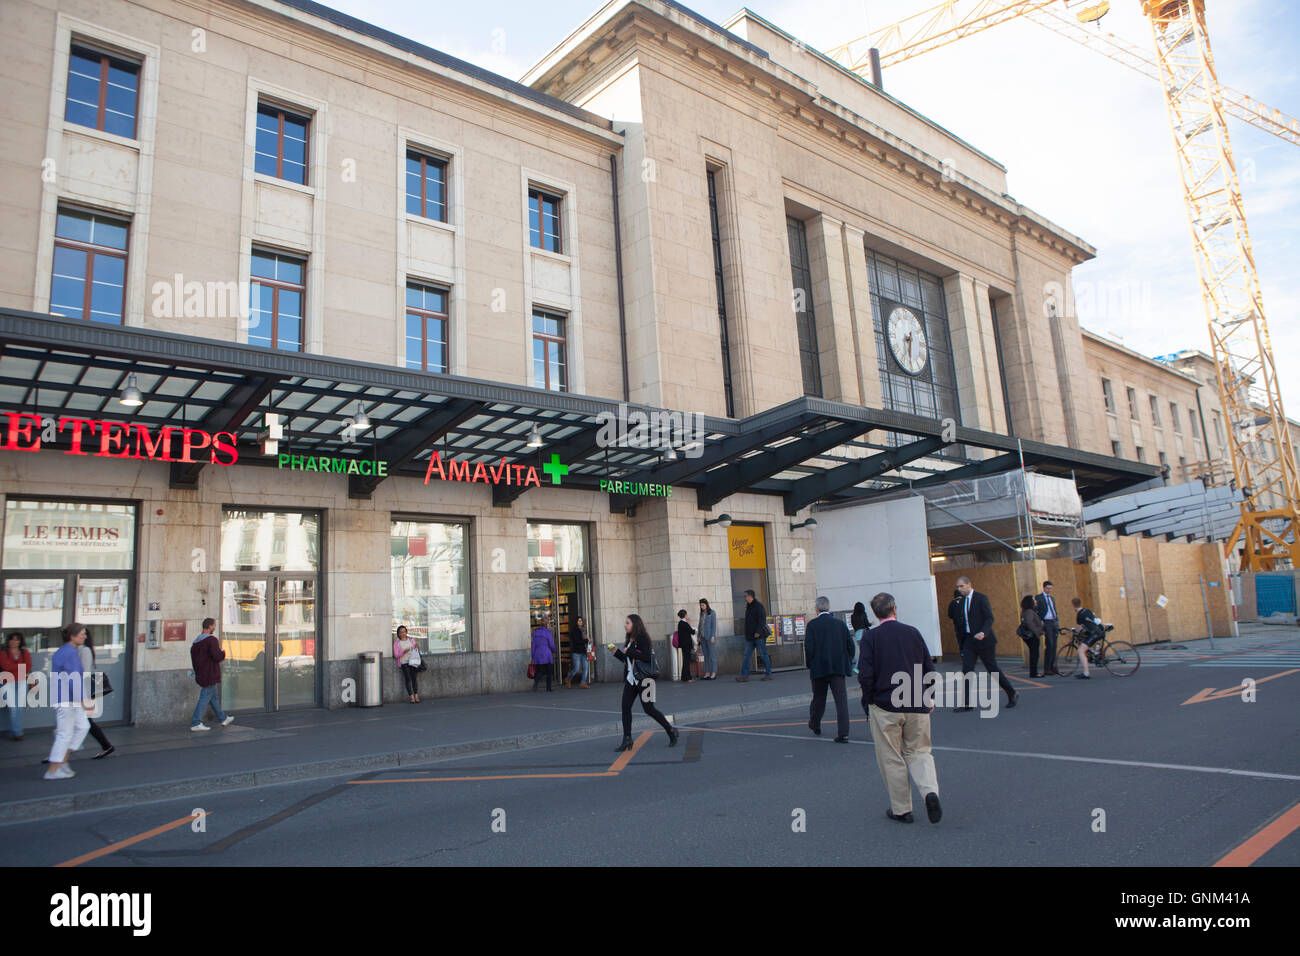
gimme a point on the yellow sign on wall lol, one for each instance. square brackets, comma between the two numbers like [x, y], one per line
[745, 545]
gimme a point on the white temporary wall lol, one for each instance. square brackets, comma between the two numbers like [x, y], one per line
[863, 550]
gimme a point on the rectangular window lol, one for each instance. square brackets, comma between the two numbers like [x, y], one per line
[429, 566]
[1191, 420]
[281, 146]
[549, 363]
[805, 320]
[1155, 410]
[1116, 449]
[1174, 419]
[1141, 453]
[721, 292]
[278, 285]
[544, 221]
[103, 91]
[1164, 459]
[1133, 404]
[426, 186]
[89, 280]
[1218, 434]
[1108, 395]
[426, 328]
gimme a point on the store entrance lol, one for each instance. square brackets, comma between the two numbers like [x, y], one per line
[269, 631]
[562, 597]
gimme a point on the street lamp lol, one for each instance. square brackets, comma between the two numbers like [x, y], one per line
[724, 520]
[810, 523]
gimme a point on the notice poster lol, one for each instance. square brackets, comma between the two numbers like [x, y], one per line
[800, 627]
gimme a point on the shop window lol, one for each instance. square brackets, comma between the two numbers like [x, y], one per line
[557, 547]
[269, 541]
[429, 573]
[58, 535]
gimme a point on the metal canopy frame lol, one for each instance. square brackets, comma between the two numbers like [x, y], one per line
[807, 450]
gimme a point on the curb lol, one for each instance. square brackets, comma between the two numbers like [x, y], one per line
[20, 811]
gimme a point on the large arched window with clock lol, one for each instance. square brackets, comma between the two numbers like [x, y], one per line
[913, 347]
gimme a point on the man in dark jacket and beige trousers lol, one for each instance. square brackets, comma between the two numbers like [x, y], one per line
[828, 648]
[901, 732]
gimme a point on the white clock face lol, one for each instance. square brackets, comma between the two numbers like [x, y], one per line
[907, 340]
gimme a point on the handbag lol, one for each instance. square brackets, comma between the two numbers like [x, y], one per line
[646, 669]
[532, 671]
[675, 644]
[102, 687]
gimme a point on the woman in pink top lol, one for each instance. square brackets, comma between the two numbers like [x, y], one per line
[406, 651]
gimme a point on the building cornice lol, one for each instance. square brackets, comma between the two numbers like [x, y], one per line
[584, 58]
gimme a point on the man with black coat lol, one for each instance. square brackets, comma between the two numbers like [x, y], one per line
[828, 648]
[756, 631]
[955, 615]
[893, 656]
[981, 642]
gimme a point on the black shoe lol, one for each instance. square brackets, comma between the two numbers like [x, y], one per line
[1083, 677]
[1033, 676]
[841, 740]
[673, 734]
[901, 818]
[625, 745]
[932, 808]
[1012, 701]
[816, 730]
[105, 752]
[961, 710]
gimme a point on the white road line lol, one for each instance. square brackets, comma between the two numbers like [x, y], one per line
[1017, 753]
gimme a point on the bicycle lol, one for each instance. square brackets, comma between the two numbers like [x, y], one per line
[1120, 658]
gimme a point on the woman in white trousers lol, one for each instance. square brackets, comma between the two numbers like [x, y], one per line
[71, 703]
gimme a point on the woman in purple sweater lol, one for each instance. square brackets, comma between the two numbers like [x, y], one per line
[543, 651]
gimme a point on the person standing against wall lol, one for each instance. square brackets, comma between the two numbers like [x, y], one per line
[16, 661]
[406, 651]
[686, 642]
[707, 634]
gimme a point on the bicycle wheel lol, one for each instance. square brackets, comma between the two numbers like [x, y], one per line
[1122, 658]
[1067, 659]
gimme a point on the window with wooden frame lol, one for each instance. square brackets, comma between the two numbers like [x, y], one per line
[427, 327]
[89, 276]
[279, 291]
[103, 91]
[549, 347]
[280, 149]
[544, 221]
[426, 185]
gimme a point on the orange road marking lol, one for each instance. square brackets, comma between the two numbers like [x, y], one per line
[129, 841]
[1210, 693]
[504, 776]
[1026, 680]
[1263, 841]
[626, 756]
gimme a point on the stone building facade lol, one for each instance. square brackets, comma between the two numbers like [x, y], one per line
[784, 229]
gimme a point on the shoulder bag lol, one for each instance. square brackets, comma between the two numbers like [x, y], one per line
[643, 669]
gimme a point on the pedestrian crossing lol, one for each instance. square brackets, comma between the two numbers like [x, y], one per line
[1256, 657]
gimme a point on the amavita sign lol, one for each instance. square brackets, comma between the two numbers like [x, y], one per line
[25, 431]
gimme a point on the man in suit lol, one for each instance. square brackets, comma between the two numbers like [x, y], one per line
[900, 726]
[955, 615]
[977, 622]
[756, 631]
[1045, 605]
[828, 648]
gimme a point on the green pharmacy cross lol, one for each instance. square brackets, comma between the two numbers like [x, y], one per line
[555, 469]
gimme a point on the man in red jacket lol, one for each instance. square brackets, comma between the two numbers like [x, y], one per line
[206, 655]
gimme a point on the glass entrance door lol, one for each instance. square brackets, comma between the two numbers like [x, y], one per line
[34, 608]
[561, 597]
[270, 657]
[101, 606]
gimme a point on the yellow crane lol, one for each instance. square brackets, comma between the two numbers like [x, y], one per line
[1262, 454]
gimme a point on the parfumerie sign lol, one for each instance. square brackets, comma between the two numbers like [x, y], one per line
[24, 431]
[646, 488]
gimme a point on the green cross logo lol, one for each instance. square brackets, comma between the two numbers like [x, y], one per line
[555, 469]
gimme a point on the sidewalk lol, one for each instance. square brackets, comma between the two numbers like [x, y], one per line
[260, 749]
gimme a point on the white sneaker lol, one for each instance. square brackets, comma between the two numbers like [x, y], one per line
[65, 772]
[198, 727]
[53, 775]
[228, 721]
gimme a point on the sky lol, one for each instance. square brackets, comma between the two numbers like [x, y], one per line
[1086, 141]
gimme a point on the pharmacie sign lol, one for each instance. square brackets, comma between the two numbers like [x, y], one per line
[25, 431]
[337, 466]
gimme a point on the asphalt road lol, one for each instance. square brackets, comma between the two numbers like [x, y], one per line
[1175, 783]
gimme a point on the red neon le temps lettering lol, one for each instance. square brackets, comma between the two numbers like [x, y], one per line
[76, 432]
[20, 429]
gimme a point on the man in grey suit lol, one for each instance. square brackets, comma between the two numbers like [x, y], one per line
[1045, 605]
[828, 648]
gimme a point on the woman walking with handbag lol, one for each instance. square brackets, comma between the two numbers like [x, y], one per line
[707, 633]
[543, 652]
[97, 685]
[639, 666]
[406, 651]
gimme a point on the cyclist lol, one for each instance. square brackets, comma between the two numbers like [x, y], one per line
[1090, 630]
